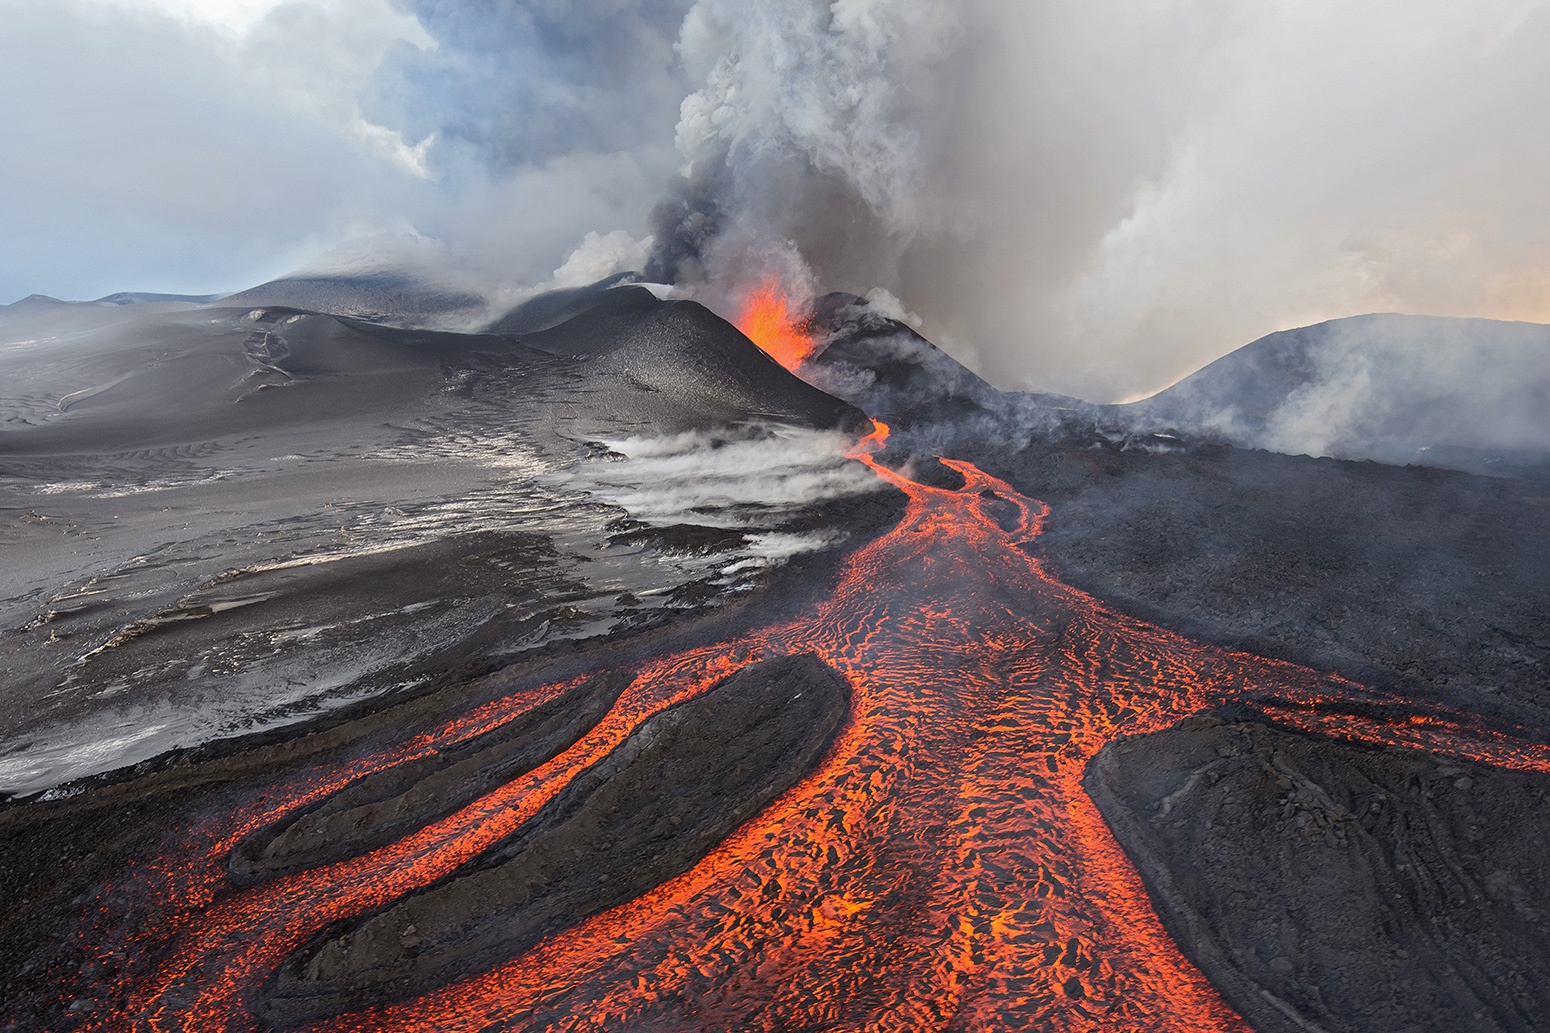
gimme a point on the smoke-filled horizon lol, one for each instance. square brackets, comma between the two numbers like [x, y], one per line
[1088, 197]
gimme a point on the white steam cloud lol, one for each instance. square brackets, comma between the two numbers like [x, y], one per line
[725, 480]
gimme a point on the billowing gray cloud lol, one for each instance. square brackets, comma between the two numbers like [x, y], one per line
[157, 145]
[1098, 197]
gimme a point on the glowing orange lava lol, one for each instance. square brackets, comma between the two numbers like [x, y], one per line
[767, 320]
[942, 869]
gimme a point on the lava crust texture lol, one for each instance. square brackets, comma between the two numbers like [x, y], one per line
[1326, 885]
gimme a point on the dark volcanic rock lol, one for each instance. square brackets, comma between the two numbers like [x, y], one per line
[679, 366]
[682, 539]
[1329, 886]
[379, 808]
[889, 370]
[922, 469]
[641, 815]
[1424, 581]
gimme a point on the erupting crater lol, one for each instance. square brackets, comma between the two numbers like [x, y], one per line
[937, 867]
[766, 319]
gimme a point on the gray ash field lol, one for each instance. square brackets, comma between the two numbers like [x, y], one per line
[219, 520]
[250, 540]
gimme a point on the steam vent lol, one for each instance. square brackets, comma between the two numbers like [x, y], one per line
[657, 567]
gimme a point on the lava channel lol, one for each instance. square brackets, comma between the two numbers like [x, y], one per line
[940, 868]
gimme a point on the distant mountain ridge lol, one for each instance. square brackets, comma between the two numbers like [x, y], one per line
[144, 297]
[1464, 394]
[1467, 394]
[1472, 394]
[388, 297]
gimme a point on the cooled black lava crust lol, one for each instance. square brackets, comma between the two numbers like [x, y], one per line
[1326, 885]
[644, 813]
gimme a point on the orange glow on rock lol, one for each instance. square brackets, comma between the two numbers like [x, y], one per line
[766, 320]
[941, 869]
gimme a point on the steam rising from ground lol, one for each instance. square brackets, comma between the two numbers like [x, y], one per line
[1385, 387]
[723, 479]
[1092, 197]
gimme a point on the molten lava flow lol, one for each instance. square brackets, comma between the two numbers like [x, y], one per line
[872, 444]
[941, 869]
[767, 320]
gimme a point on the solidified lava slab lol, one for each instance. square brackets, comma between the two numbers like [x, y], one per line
[646, 812]
[683, 539]
[380, 807]
[1430, 583]
[1327, 885]
[922, 469]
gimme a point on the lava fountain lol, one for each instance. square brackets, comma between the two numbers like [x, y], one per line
[766, 320]
[941, 868]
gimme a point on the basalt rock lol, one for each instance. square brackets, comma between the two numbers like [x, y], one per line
[381, 807]
[643, 814]
[1324, 885]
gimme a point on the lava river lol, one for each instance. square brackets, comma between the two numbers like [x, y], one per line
[941, 869]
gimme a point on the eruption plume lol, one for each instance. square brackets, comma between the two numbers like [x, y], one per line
[1098, 197]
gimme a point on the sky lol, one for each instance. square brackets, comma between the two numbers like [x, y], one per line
[1088, 196]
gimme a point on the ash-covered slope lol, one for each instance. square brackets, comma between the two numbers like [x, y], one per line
[223, 518]
[552, 308]
[677, 363]
[1468, 394]
[398, 299]
[147, 375]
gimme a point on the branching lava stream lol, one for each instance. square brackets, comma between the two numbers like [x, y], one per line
[942, 869]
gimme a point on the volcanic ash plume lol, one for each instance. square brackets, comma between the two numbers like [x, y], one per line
[803, 143]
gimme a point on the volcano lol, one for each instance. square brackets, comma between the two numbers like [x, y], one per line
[599, 670]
